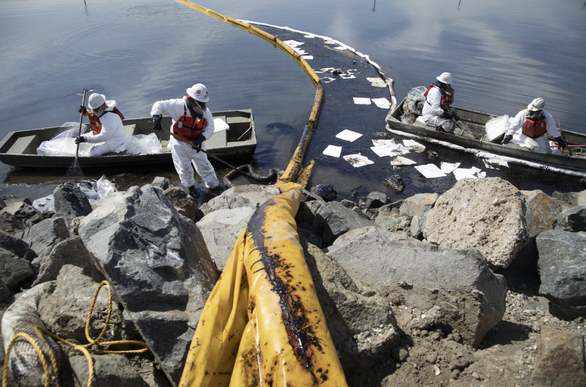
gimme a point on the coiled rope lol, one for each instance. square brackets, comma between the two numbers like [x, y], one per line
[40, 332]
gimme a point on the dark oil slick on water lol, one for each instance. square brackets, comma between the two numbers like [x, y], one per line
[502, 54]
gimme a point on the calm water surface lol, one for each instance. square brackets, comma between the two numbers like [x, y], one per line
[502, 54]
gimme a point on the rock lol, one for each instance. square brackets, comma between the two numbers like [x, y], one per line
[572, 219]
[325, 191]
[109, 370]
[418, 223]
[161, 182]
[561, 359]
[373, 258]
[334, 219]
[487, 214]
[251, 195]
[23, 212]
[376, 200]
[9, 223]
[221, 229]
[71, 251]
[43, 236]
[562, 269]
[361, 326]
[393, 222]
[394, 183]
[184, 203]
[159, 265]
[542, 212]
[16, 269]
[70, 202]
[417, 204]
[5, 293]
[71, 294]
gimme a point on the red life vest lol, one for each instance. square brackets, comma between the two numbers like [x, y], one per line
[534, 128]
[446, 97]
[188, 127]
[96, 125]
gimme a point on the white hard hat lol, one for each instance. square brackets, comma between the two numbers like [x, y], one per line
[445, 78]
[198, 92]
[96, 100]
[536, 104]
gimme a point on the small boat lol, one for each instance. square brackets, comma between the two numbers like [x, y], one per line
[470, 135]
[19, 148]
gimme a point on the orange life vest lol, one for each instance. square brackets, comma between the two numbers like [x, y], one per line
[189, 127]
[96, 125]
[446, 100]
[534, 128]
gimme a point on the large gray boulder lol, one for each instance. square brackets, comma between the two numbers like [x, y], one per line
[371, 256]
[562, 269]
[16, 269]
[572, 219]
[221, 229]
[487, 214]
[158, 262]
[250, 195]
[43, 236]
[70, 202]
[334, 219]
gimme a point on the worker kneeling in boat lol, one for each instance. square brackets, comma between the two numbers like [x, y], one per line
[193, 124]
[535, 124]
[436, 111]
[107, 131]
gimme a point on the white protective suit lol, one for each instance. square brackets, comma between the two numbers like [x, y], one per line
[538, 144]
[431, 113]
[110, 137]
[183, 154]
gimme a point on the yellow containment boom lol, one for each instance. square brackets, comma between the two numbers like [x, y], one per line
[262, 324]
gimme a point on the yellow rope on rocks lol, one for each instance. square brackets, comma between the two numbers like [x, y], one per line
[82, 348]
[294, 166]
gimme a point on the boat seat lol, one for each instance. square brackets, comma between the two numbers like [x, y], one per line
[218, 140]
[164, 144]
[25, 145]
[130, 130]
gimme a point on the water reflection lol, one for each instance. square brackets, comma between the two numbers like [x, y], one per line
[502, 54]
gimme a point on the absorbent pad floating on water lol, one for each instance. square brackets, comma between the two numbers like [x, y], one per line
[357, 160]
[430, 171]
[361, 101]
[333, 150]
[382, 103]
[348, 135]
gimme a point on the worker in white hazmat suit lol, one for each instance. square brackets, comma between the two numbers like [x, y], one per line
[107, 131]
[535, 125]
[436, 111]
[192, 121]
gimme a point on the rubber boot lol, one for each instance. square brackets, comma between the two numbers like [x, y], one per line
[193, 191]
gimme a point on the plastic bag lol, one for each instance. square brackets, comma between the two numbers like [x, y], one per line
[62, 144]
[141, 144]
[416, 93]
[496, 127]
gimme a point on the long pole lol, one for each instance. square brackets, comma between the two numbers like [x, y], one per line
[80, 120]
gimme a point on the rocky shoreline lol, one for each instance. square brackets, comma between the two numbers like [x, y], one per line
[482, 285]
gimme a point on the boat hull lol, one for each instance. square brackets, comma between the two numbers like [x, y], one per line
[18, 148]
[472, 140]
